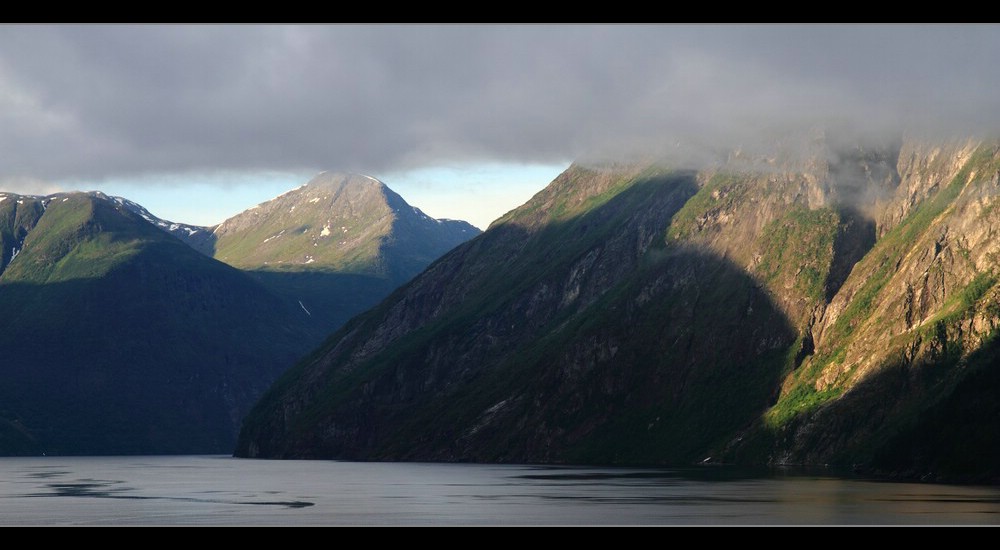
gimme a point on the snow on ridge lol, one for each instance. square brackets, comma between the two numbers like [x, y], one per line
[290, 191]
[280, 233]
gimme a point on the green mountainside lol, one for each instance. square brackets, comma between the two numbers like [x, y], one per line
[820, 300]
[121, 334]
[118, 338]
[337, 245]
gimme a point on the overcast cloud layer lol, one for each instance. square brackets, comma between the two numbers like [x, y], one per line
[93, 102]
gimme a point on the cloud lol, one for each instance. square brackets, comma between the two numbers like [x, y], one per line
[97, 102]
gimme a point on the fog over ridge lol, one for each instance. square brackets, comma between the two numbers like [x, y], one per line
[95, 102]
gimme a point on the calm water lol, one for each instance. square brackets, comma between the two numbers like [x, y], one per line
[199, 490]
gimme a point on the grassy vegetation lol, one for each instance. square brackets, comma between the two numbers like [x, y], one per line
[878, 267]
[118, 338]
[799, 245]
[516, 261]
[733, 380]
[723, 191]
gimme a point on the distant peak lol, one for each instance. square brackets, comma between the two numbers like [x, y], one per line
[340, 179]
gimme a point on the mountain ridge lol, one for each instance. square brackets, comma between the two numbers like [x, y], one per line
[738, 328]
[119, 338]
[122, 335]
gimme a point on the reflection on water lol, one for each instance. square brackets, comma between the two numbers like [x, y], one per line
[98, 488]
[225, 491]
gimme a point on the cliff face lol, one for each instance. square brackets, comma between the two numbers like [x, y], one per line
[817, 300]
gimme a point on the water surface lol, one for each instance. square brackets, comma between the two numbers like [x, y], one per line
[201, 490]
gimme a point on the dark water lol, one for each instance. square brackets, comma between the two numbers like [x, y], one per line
[199, 490]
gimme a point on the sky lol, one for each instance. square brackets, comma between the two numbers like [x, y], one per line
[197, 122]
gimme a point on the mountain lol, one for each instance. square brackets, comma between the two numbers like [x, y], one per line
[118, 338]
[198, 237]
[121, 333]
[337, 245]
[819, 298]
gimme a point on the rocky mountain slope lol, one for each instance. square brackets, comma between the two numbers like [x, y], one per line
[337, 245]
[821, 299]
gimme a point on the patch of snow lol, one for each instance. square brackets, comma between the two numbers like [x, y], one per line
[290, 210]
[14, 251]
[251, 208]
[161, 223]
[326, 231]
[5, 198]
[174, 226]
[314, 200]
[190, 231]
[304, 308]
[20, 202]
[66, 199]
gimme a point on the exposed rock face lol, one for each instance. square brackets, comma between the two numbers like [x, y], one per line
[815, 301]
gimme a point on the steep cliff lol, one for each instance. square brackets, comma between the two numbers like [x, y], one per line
[820, 299]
